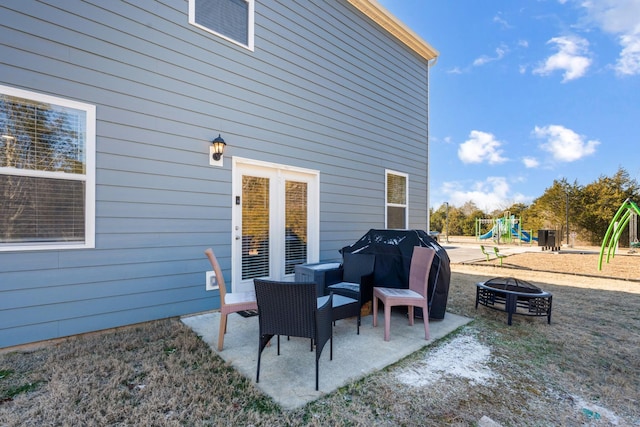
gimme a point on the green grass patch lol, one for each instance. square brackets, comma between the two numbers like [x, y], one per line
[4, 373]
[12, 392]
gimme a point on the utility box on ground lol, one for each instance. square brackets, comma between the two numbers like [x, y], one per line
[549, 240]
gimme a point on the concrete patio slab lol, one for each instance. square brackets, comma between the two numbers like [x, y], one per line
[290, 378]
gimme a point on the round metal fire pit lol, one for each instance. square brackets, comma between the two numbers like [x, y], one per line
[514, 296]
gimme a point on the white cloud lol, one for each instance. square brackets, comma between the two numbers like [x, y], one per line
[455, 70]
[530, 162]
[621, 18]
[481, 147]
[571, 58]
[500, 20]
[629, 62]
[564, 144]
[484, 59]
[493, 193]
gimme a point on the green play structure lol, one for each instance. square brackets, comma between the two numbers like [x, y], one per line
[506, 229]
[628, 211]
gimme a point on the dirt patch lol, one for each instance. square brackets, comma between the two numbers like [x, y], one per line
[463, 357]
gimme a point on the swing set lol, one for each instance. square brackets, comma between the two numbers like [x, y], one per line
[627, 214]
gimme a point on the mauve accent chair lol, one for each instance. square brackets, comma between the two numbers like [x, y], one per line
[415, 296]
[230, 302]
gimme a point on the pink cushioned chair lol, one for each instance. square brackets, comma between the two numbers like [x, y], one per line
[415, 296]
[229, 302]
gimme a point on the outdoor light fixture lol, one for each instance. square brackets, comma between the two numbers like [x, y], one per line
[217, 146]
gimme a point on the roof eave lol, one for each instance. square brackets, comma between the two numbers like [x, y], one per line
[381, 16]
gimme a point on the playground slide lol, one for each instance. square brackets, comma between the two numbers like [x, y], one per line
[522, 235]
[487, 235]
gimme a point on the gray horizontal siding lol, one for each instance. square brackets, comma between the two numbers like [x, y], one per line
[325, 89]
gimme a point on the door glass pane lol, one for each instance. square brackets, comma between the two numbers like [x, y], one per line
[255, 227]
[295, 224]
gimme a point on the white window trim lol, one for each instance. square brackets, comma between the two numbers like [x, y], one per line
[89, 177]
[250, 23]
[388, 172]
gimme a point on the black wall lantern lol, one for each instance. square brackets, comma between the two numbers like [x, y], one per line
[218, 145]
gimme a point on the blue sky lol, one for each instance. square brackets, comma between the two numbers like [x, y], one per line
[525, 92]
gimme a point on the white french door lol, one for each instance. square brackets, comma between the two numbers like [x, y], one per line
[275, 221]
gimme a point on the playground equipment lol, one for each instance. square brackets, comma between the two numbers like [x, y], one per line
[507, 228]
[499, 255]
[626, 214]
[484, 251]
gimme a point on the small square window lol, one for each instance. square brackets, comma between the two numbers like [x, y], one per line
[229, 19]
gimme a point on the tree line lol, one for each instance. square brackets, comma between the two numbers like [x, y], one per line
[588, 208]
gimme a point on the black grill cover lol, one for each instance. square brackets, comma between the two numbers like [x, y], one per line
[393, 250]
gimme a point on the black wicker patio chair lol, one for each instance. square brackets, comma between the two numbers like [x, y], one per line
[293, 309]
[354, 279]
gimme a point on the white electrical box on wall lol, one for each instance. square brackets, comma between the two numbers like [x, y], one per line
[211, 283]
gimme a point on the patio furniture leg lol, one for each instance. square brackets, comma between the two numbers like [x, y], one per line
[375, 311]
[263, 341]
[331, 347]
[425, 317]
[258, 371]
[223, 330]
[387, 321]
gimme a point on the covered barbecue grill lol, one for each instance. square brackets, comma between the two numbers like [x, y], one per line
[393, 250]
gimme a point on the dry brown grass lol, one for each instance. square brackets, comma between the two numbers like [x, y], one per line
[621, 266]
[160, 373]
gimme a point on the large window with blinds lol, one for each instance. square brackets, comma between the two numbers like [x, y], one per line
[396, 184]
[229, 19]
[47, 172]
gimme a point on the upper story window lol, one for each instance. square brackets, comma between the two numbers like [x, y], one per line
[396, 199]
[229, 19]
[47, 172]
